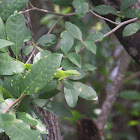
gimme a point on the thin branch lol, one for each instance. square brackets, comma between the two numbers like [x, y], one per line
[115, 29]
[54, 25]
[104, 18]
[30, 57]
[120, 25]
[46, 11]
[137, 74]
[113, 92]
[19, 104]
[14, 103]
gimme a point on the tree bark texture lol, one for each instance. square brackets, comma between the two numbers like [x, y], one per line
[130, 43]
[112, 93]
[51, 122]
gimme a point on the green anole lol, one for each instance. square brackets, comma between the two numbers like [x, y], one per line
[63, 74]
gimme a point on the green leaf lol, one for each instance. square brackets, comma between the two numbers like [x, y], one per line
[90, 46]
[40, 74]
[131, 13]
[85, 91]
[94, 36]
[89, 67]
[58, 109]
[62, 2]
[27, 49]
[6, 104]
[5, 43]
[6, 94]
[105, 9]
[130, 95]
[6, 120]
[25, 104]
[7, 7]
[131, 29]
[67, 41]
[66, 64]
[21, 131]
[41, 55]
[70, 94]
[1, 97]
[47, 95]
[81, 7]
[27, 35]
[11, 68]
[52, 106]
[78, 48]
[127, 3]
[75, 58]
[26, 118]
[15, 84]
[2, 30]
[49, 90]
[15, 29]
[74, 30]
[4, 57]
[39, 102]
[48, 40]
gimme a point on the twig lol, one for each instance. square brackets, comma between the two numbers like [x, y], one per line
[46, 11]
[131, 76]
[115, 29]
[120, 25]
[19, 104]
[30, 57]
[14, 103]
[113, 92]
[104, 18]
[31, 4]
[54, 25]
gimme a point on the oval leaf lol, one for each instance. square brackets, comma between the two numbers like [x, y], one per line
[7, 7]
[48, 40]
[130, 95]
[95, 36]
[105, 9]
[81, 7]
[15, 28]
[127, 3]
[85, 91]
[40, 74]
[131, 29]
[2, 30]
[11, 68]
[90, 46]
[75, 58]
[58, 109]
[5, 43]
[73, 30]
[67, 41]
[70, 94]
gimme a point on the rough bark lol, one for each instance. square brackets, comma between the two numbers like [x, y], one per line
[131, 43]
[112, 93]
[51, 122]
